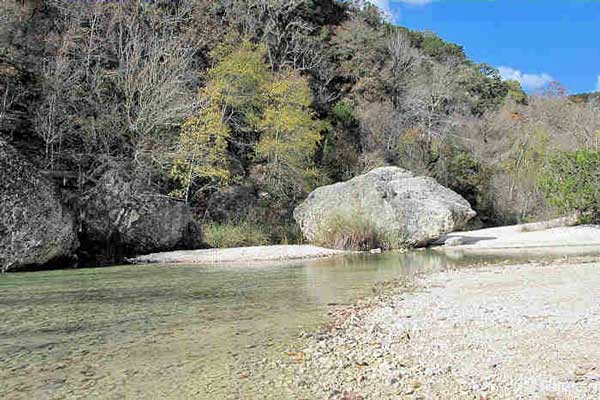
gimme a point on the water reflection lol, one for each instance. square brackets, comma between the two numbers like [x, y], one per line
[174, 331]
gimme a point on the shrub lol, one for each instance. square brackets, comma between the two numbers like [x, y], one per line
[287, 233]
[571, 182]
[355, 232]
[230, 234]
[459, 170]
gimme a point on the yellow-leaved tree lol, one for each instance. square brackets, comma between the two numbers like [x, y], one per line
[264, 113]
[202, 151]
[230, 94]
[289, 133]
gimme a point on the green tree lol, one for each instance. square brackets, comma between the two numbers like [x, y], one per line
[230, 97]
[238, 78]
[571, 182]
[515, 92]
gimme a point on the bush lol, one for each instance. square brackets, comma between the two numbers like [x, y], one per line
[460, 171]
[230, 234]
[287, 233]
[571, 182]
[355, 232]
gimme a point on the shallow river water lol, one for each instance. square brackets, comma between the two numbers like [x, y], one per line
[180, 332]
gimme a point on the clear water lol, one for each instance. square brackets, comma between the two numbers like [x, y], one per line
[176, 331]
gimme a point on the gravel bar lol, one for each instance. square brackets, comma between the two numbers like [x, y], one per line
[529, 331]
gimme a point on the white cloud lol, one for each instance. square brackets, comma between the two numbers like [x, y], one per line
[382, 4]
[598, 84]
[528, 81]
[385, 5]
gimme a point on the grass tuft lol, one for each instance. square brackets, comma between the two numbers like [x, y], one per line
[355, 232]
[240, 234]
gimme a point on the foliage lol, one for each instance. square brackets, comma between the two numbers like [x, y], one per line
[289, 132]
[232, 234]
[515, 92]
[526, 157]
[488, 89]
[233, 86]
[343, 114]
[238, 77]
[244, 101]
[202, 152]
[463, 173]
[437, 48]
[356, 232]
[571, 181]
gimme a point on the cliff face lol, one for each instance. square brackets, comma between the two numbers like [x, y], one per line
[34, 227]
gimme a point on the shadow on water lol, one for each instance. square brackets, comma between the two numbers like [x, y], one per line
[176, 331]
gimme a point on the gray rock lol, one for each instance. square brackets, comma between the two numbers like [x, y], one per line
[121, 217]
[391, 198]
[34, 227]
[232, 203]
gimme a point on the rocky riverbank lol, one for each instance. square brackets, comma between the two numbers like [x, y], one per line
[43, 224]
[502, 332]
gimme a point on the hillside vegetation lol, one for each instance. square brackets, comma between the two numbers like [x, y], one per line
[242, 107]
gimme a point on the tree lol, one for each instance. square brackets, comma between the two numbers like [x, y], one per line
[202, 152]
[289, 132]
[229, 101]
[571, 182]
[404, 60]
[238, 77]
[435, 97]
[254, 114]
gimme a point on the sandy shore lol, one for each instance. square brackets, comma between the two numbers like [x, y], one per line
[545, 238]
[525, 331]
[239, 255]
[529, 238]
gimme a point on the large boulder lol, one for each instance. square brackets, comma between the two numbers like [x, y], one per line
[232, 203]
[122, 217]
[35, 229]
[393, 200]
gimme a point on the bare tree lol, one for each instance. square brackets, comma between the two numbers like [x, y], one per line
[404, 61]
[53, 117]
[289, 38]
[432, 100]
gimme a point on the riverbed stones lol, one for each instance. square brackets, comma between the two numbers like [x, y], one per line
[493, 332]
[393, 199]
[34, 227]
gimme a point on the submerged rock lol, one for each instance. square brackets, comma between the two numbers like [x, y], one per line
[120, 217]
[393, 200]
[35, 229]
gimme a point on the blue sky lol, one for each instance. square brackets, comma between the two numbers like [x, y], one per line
[533, 41]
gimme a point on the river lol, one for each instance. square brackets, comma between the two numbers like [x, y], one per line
[179, 331]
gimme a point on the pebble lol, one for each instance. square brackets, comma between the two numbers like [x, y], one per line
[447, 349]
